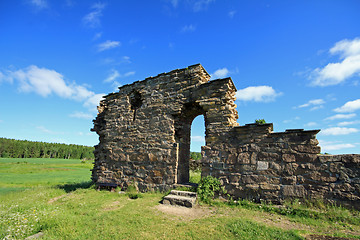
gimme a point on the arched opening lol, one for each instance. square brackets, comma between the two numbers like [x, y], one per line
[197, 139]
[183, 123]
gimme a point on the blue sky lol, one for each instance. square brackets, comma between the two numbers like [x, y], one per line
[294, 63]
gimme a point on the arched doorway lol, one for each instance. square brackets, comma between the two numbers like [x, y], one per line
[183, 124]
[197, 141]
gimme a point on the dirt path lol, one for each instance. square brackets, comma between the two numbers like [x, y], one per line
[184, 213]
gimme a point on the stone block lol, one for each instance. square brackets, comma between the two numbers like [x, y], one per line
[297, 191]
[288, 158]
[290, 180]
[262, 165]
[306, 149]
[290, 168]
[268, 156]
[244, 158]
[268, 186]
[234, 178]
[231, 159]
[253, 179]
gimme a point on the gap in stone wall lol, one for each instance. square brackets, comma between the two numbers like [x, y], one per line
[197, 141]
[197, 134]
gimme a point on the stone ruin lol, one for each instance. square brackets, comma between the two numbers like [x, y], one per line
[144, 133]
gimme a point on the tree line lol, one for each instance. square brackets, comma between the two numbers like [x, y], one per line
[11, 148]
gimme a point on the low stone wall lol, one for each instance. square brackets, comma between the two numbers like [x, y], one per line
[259, 164]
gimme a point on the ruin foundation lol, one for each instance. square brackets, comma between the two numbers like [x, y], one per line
[144, 132]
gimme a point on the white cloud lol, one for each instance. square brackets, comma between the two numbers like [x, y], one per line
[174, 3]
[336, 73]
[220, 73]
[81, 115]
[97, 36]
[113, 61]
[198, 138]
[80, 93]
[188, 28]
[45, 130]
[338, 131]
[310, 124]
[232, 14]
[113, 75]
[195, 5]
[257, 94]
[108, 45]
[45, 82]
[338, 146]
[346, 48]
[2, 77]
[350, 106]
[200, 5]
[341, 116]
[316, 108]
[295, 119]
[348, 123]
[39, 4]
[42, 81]
[312, 103]
[126, 59]
[128, 74]
[332, 146]
[92, 19]
[116, 85]
[94, 100]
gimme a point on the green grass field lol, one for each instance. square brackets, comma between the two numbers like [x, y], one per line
[54, 197]
[21, 173]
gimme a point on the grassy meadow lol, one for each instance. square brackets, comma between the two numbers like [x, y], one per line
[54, 197]
[21, 173]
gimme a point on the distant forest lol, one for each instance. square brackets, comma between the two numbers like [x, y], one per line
[11, 148]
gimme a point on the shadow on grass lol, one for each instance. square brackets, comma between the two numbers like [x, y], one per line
[74, 186]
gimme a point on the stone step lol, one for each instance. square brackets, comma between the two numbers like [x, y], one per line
[179, 200]
[183, 193]
[185, 185]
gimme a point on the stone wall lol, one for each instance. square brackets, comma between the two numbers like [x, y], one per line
[144, 129]
[144, 132]
[260, 164]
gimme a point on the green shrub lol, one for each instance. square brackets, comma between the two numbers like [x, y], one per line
[260, 121]
[208, 187]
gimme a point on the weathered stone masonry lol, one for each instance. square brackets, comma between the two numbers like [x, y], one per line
[144, 132]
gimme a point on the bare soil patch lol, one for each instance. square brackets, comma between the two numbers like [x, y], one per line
[184, 213]
[115, 205]
[279, 222]
[57, 198]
